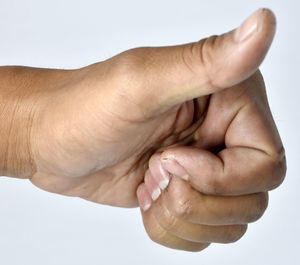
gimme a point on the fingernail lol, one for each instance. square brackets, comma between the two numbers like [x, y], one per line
[144, 197]
[164, 183]
[171, 165]
[248, 27]
[155, 194]
[164, 175]
[146, 207]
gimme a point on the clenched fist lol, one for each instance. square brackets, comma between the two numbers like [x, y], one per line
[183, 131]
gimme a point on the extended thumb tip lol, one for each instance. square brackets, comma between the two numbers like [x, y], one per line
[261, 21]
[251, 42]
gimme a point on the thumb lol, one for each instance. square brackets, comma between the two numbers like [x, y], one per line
[184, 72]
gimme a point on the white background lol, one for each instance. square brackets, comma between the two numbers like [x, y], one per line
[40, 228]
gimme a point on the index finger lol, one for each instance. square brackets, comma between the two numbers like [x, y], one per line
[253, 159]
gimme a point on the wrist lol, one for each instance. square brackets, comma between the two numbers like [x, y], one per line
[15, 145]
[24, 94]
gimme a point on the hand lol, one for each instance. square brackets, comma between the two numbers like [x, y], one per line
[214, 192]
[96, 131]
[219, 182]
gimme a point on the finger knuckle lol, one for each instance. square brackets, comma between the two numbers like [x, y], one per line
[179, 199]
[204, 51]
[278, 169]
[214, 185]
[129, 64]
[187, 57]
[182, 208]
[217, 181]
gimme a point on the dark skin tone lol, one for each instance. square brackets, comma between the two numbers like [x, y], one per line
[185, 132]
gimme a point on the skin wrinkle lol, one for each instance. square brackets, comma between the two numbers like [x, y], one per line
[4, 167]
[186, 54]
[23, 113]
[206, 59]
[159, 236]
[171, 219]
[30, 134]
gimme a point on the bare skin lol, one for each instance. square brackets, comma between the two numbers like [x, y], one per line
[110, 133]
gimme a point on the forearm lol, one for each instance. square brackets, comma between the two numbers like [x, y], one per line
[23, 95]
